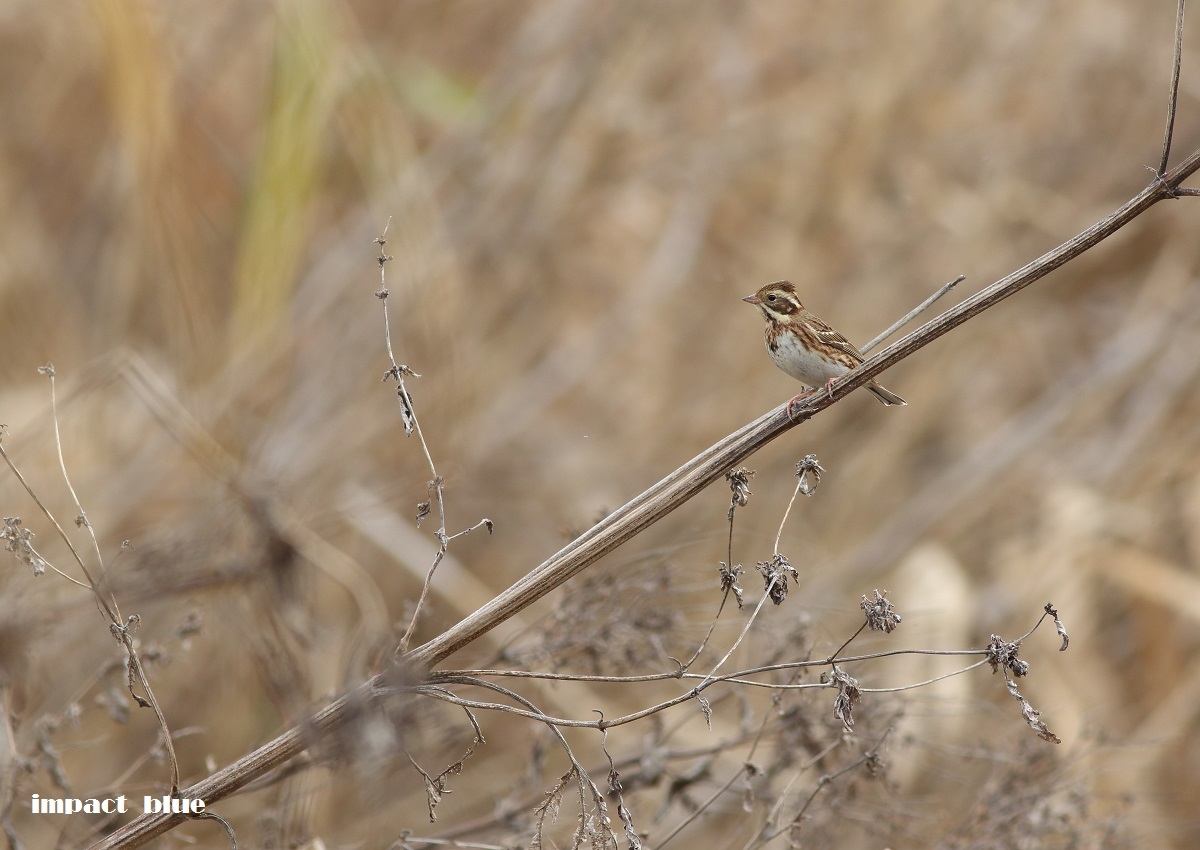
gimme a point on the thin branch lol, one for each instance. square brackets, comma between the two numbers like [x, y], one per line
[122, 630]
[777, 807]
[712, 627]
[434, 687]
[1174, 95]
[786, 513]
[695, 475]
[81, 519]
[108, 612]
[579, 770]
[346, 708]
[915, 685]
[709, 677]
[700, 809]
[913, 313]
[870, 756]
[226, 781]
[412, 424]
[741, 674]
[646, 509]
[808, 476]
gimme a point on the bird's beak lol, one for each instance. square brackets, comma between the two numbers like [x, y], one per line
[752, 299]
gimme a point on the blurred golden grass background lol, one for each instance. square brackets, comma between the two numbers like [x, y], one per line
[578, 195]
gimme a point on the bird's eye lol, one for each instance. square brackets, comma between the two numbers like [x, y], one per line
[771, 297]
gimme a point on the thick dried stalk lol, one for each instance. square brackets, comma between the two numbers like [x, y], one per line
[643, 511]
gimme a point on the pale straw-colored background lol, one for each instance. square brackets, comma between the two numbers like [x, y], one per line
[579, 194]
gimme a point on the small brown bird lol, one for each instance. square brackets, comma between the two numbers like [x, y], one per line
[804, 346]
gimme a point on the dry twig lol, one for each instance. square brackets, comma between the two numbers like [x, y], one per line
[667, 495]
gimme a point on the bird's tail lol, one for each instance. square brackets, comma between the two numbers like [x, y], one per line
[884, 394]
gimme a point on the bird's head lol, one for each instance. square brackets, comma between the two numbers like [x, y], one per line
[777, 301]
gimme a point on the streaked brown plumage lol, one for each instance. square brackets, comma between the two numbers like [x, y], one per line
[804, 346]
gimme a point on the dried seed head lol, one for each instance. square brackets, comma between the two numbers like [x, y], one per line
[881, 616]
[809, 471]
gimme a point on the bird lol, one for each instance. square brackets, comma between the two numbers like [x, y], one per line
[805, 347]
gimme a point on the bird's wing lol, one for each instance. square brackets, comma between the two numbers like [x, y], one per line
[834, 339]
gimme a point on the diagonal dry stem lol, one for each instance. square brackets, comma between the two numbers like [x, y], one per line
[689, 479]
[646, 509]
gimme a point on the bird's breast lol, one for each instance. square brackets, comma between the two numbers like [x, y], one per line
[792, 350]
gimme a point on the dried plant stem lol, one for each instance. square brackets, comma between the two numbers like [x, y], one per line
[944, 289]
[348, 707]
[685, 482]
[741, 636]
[412, 424]
[825, 780]
[1173, 99]
[651, 506]
[739, 482]
[90, 584]
[121, 629]
[703, 807]
[685, 666]
[787, 512]
[748, 770]
[435, 686]
[729, 677]
[82, 519]
[775, 809]
[221, 784]
[914, 685]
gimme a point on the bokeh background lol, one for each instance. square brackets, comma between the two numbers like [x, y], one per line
[576, 196]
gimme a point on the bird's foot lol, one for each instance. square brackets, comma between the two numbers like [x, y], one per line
[796, 402]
